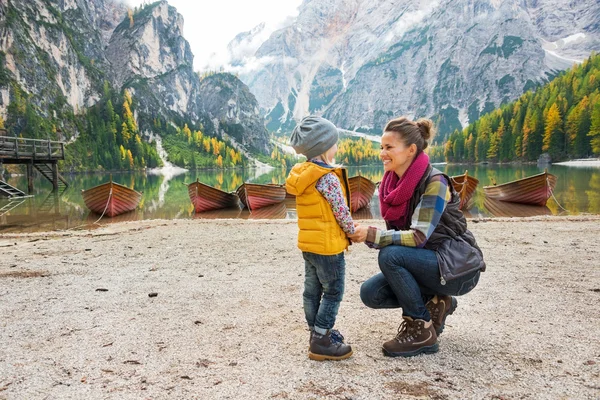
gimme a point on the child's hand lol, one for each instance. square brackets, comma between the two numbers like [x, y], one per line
[360, 233]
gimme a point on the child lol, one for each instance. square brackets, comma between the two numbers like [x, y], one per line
[322, 198]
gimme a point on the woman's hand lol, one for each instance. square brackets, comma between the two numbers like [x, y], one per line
[360, 233]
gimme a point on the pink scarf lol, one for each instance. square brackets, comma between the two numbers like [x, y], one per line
[395, 193]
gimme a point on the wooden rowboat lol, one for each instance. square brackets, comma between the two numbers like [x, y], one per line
[465, 186]
[207, 198]
[111, 199]
[361, 192]
[506, 209]
[255, 196]
[534, 190]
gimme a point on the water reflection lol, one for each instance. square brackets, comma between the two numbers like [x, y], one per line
[499, 208]
[577, 190]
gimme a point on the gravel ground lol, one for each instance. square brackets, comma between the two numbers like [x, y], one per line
[77, 319]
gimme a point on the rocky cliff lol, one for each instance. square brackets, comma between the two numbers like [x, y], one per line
[360, 63]
[61, 54]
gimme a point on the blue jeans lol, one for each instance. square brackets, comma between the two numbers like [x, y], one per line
[323, 288]
[409, 278]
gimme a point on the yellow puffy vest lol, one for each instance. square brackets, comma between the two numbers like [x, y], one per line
[319, 231]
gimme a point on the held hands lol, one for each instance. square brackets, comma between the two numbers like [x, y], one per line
[360, 233]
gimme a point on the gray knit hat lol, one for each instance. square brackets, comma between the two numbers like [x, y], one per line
[313, 136]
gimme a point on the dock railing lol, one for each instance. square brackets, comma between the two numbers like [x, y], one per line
[31, 149]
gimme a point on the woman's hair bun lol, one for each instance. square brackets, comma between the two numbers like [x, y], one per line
[426, 128]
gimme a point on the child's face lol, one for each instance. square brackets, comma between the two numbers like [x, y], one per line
[330, 154]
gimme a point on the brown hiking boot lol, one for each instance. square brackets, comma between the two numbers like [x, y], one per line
[439, 308]
[324, 347]
[414, 337]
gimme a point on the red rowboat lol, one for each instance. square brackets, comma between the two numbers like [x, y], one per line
[361, 192]
[255, 196]
[111, 199]
[533, 190]
[206, 198]
[464, 191]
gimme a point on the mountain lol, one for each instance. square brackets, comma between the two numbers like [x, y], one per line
[360, 63]
[59, 58]
[561, 118]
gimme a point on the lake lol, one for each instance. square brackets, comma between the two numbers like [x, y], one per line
[577, 191]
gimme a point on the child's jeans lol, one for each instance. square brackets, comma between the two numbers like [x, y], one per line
[323, 288]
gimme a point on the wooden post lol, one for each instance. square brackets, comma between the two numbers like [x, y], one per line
[30, 178]
[55, 176]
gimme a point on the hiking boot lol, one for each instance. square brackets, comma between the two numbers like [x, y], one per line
[324, 347]
[414, 337]
[439, 308]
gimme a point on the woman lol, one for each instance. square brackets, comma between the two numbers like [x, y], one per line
[426, 255]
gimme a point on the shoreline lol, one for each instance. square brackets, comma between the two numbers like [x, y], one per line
[227, 319]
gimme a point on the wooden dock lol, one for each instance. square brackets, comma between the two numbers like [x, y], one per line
[43, 155]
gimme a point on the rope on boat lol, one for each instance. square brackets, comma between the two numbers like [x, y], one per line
[552, 193]
[105, 207]
[464, 185]
[96, 222]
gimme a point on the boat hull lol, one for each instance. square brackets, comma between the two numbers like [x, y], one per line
[361, 192]
[111, 198]
[465, 186]
[207, 198]
[255, 196]
[534, 190]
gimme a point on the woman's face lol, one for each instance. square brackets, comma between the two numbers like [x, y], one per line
[396, 156]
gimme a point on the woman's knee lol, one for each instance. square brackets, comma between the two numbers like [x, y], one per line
[369, 291]
[366, 295]
[388, 258]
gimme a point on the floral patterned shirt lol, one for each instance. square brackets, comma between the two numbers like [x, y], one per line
[330, 187]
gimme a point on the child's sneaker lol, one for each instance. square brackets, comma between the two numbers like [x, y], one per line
[325, 347]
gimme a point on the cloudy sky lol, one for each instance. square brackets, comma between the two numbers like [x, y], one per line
[209, 25]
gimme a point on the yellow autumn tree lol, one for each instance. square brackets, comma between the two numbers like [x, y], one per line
[1, 122]
[187, 133]
[198, 138]
[130, 159]
[206, 144]
[553, 131]
[220, 161]
[125, 134]
[127, 114]
[215, 145]
[123, 152]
